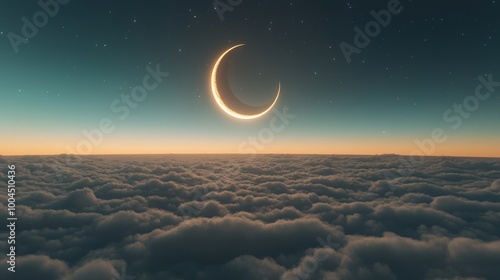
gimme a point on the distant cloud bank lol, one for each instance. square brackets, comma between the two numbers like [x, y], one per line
[272, 217]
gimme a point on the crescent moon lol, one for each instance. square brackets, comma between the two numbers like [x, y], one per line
[225, 97]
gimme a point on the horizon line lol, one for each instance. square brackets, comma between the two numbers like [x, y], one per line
[240, 154]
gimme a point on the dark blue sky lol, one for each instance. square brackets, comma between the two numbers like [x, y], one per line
[65, 79]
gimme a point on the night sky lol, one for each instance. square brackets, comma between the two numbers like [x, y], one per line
[395, 91]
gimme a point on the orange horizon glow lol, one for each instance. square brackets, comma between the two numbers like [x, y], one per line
[463, 148]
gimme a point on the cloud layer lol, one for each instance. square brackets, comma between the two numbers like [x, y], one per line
[271, 217]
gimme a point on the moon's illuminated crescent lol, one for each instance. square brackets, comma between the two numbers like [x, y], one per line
[226, 99]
